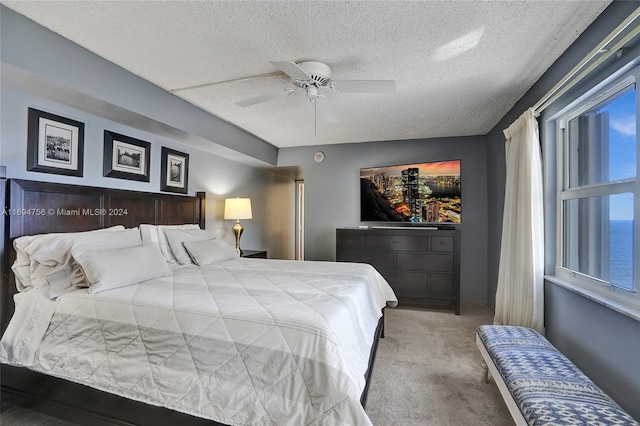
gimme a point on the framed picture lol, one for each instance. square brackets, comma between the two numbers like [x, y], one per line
[54, 144]
[174, 173]
[126, 157]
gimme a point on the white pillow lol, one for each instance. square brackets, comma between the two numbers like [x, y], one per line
[55, 272]
[175, 238]
[210, 251]
[38, 255]
[56, 250]
[114, 268]
[23, 277]
[156, 234]
[23, 249]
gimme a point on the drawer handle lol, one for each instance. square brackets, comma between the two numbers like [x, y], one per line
[395, 241]
[442, 243]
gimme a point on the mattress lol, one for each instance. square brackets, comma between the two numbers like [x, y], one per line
[244, 341]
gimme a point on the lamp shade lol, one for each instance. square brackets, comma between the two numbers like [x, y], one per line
[237, 208]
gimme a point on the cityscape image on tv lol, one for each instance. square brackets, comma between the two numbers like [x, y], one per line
[425, 192]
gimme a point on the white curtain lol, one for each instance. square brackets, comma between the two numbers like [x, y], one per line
[520, 296]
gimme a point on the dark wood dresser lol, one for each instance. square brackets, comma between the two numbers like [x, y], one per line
[421, 265]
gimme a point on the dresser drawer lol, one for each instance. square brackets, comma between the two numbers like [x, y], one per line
[396, 242]
[349, 241]
[442, 284]
[441, 244]
[425, 262]
[379, 260]
[408, 284]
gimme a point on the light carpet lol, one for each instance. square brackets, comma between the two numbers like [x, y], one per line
[427, 372]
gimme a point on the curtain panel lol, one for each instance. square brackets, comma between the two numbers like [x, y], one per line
[519, 295]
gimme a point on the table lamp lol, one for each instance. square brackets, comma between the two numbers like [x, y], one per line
[237, 208]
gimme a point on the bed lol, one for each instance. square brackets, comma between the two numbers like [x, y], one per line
[225, 341]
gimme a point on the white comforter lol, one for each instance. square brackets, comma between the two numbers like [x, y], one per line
[246, 341]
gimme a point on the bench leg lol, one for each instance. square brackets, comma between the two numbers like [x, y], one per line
[485, 372]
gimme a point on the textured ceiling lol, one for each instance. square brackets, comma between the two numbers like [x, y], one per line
[459, 66]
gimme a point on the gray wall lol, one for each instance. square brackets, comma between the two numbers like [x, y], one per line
[39, 61]
[224, 160]
[604, 344]
[601, 342]
[332, 197]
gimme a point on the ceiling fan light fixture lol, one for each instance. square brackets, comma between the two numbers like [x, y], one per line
[312, 92]
[312, 77]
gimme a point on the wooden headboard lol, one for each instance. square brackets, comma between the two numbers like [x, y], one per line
[41, 207]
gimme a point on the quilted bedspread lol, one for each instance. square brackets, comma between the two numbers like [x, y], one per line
[546, 386]
[241, 342]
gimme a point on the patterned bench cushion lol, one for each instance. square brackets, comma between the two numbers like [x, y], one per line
[546, 386]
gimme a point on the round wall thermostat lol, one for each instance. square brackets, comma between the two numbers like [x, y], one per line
[319, 157]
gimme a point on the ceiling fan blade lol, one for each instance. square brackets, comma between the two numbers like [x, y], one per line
[364, 86]
[324, 113]
[292, 70]
[264, 98]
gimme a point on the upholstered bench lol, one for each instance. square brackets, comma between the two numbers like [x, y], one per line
[540, 385]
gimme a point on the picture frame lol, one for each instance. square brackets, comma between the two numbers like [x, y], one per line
[174, 171]
[55, 144]
[125, 157]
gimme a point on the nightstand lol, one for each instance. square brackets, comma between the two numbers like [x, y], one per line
[256, 254]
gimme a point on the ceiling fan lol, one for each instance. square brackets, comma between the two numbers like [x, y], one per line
[313, 78]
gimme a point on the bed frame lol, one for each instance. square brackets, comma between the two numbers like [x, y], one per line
[31, 208]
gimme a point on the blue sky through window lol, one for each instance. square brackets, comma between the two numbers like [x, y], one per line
[622, 150]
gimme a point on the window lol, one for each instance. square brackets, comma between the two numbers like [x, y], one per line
[598, 193]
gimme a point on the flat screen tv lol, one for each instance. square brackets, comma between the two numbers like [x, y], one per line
[413, 193]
